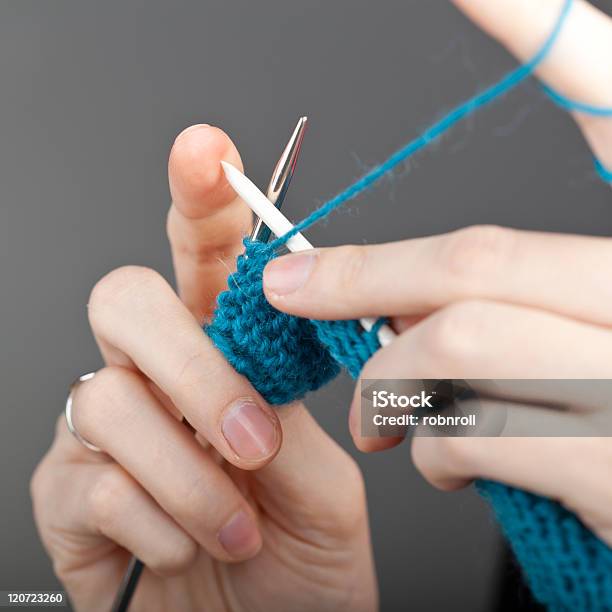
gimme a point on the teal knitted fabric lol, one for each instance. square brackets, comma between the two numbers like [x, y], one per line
[567, 566]
[281, 355]
[284, 357]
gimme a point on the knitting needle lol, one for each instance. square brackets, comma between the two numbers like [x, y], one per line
[277, 189]
[281, 177]
[280, 225]
[263, 208]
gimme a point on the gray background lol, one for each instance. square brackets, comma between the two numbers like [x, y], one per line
[92, 96]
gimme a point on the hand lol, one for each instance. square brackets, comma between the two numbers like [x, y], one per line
[488, 302]
[231, 518]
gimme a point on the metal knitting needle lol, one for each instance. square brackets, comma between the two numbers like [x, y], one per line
[281, 177]
[277, 189]
[280, 225]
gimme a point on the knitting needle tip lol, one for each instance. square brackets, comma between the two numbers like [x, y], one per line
[283, 172]
[281, 177]
[263, 208]
[280, 225]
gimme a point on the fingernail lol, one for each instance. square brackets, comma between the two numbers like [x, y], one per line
[240, 536]
[249, 430]
[192, 128]
[287, 274]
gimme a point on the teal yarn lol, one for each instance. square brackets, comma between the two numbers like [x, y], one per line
[348, 343]
[572, 105]
[506, 84]
[281, 355]
[285, 357]
[603, 172]
[588, 109]
[568, 568]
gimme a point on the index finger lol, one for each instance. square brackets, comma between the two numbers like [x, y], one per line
[579, 65]
[415, 277]
[206, 222]
[139, 322]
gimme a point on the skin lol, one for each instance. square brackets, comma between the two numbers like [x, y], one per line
[465, 303]
[302, 540]
[222, 520]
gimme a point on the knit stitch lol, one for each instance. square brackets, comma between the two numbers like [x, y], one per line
[568, 568]
[284, 357]
[280, 354]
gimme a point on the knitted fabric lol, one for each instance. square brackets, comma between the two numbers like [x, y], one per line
[284, 357]
[280, 354]
[568, 568]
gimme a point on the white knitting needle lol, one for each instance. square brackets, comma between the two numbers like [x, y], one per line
[280, 225]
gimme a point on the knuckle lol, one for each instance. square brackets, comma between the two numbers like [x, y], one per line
[451, 333]
[97, 400]
[440, 460]
[458, 454]
[470, 256]
[192, 500]
[119, 282]
[112, 485]
[351, 261]
[176, 558]
[196, 371]
[424, 454]
[114, 381]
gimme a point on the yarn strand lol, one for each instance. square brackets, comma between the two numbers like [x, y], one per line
[573, 105]
[486, 97]
[604, 173]
[506, 84]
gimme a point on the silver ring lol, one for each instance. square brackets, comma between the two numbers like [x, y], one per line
[68, 413]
